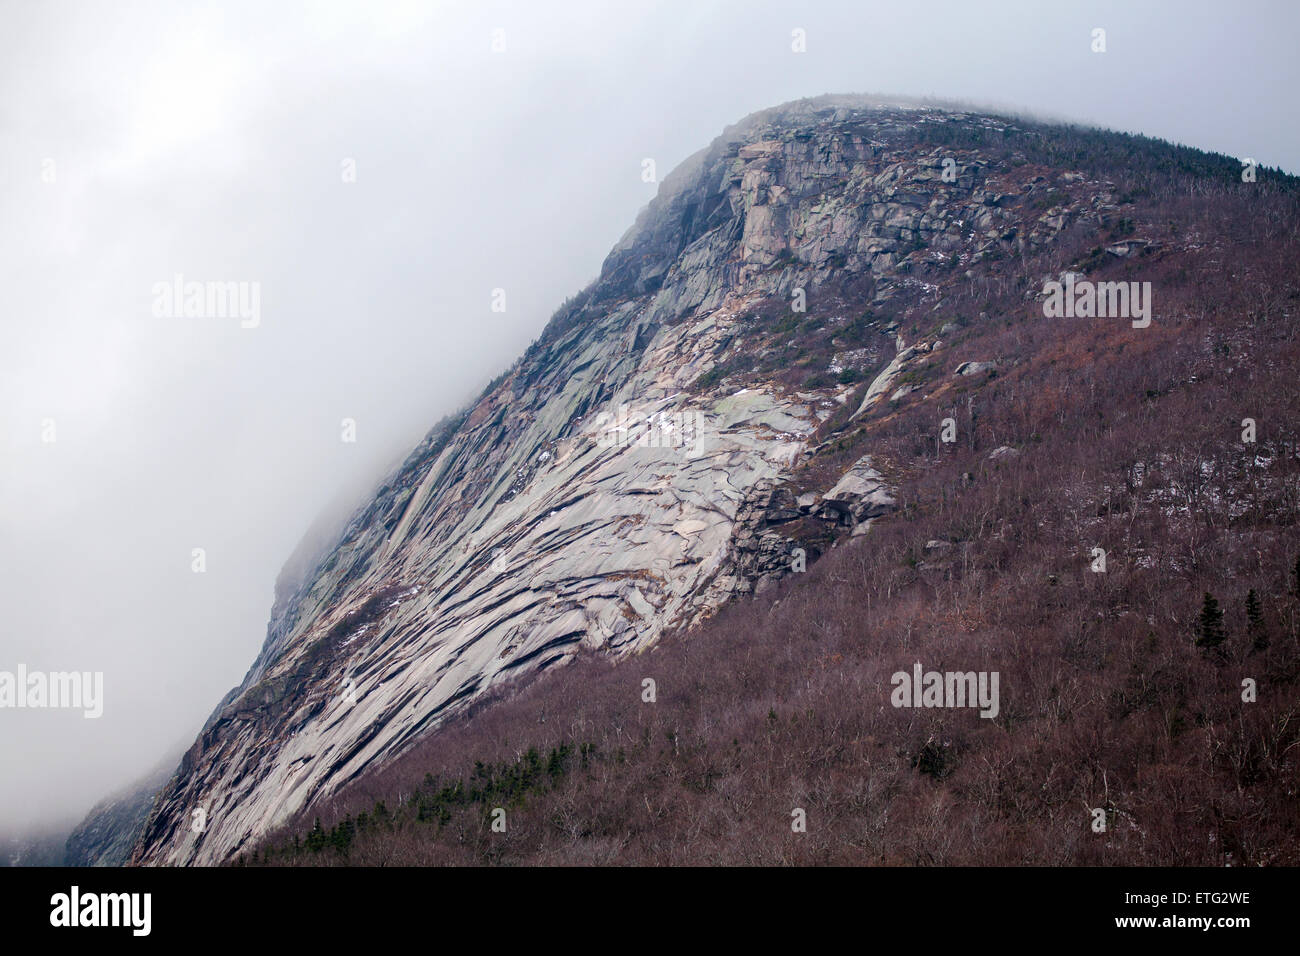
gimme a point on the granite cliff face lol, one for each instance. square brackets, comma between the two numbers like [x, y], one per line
[107, 836]
[662, 447]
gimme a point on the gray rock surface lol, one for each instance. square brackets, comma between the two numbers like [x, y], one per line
[594, 496]
[858, 496]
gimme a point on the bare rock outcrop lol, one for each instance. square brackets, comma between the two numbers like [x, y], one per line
[598, 494]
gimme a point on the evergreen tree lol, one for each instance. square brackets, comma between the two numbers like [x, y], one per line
[342, 834]
[1210, 631]
[1255, 621]
[315, 841]
[556, 763]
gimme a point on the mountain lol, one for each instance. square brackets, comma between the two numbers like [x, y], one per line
[721, 409]
[108, 834]
[41, 848]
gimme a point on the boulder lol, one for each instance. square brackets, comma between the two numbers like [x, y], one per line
[861, 494]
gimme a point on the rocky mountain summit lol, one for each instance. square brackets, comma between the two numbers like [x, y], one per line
[673, 439]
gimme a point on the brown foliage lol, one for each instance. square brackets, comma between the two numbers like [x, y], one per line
[1129, 440]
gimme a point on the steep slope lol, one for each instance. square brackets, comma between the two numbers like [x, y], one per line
[548, 520]
[35, 849]
[108, 834]
[1148, 710]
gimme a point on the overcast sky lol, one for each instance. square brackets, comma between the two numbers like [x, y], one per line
[140, 141]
